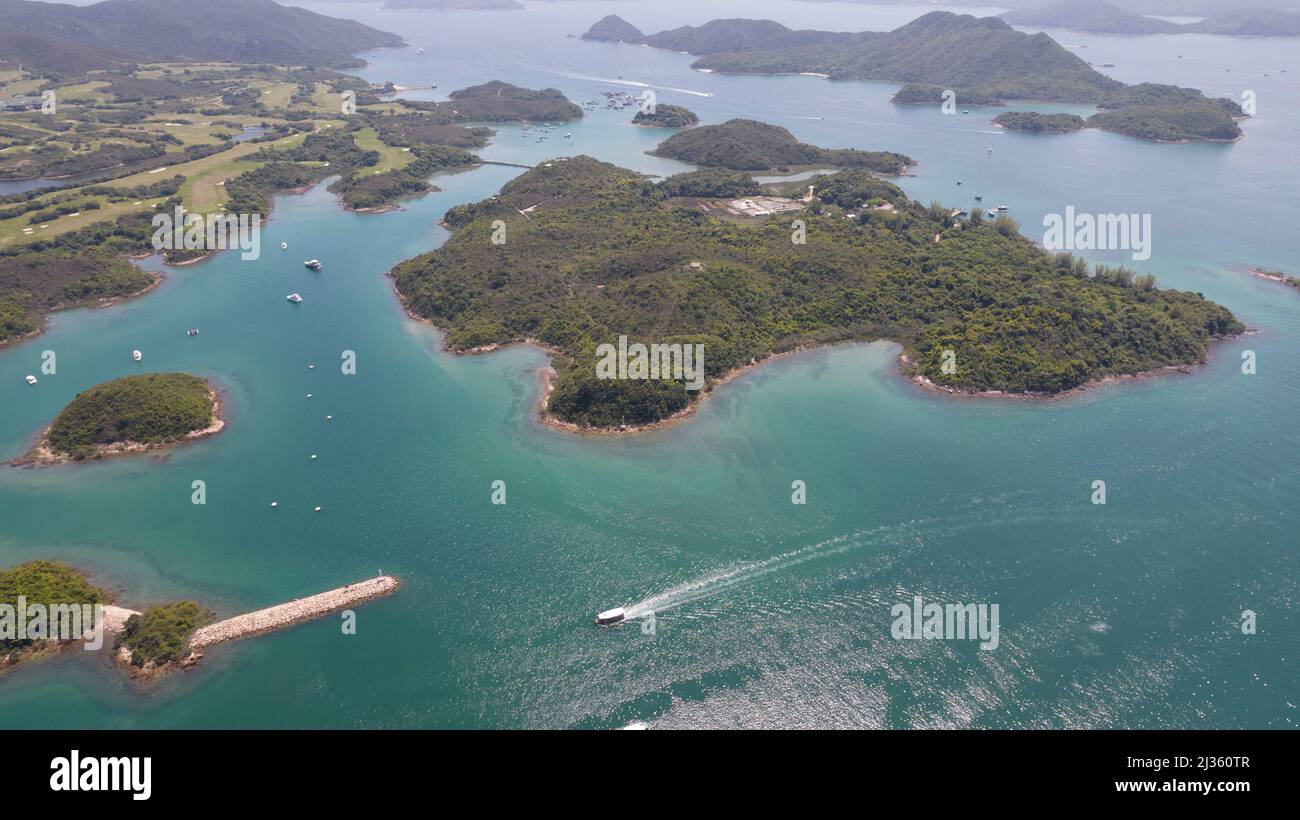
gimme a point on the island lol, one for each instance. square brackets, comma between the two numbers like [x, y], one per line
[1091, 16]
[132, 414]
[1039, 123]
[980, 60]
[667, 116]
[749, 145]
[602, 253]
[1253, 22]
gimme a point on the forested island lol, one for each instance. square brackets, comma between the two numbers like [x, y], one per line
[129, 415]
[667, 116]
[605, 252]
[1098, 17]
[749, 145]
[1039, 123]
[983, 61]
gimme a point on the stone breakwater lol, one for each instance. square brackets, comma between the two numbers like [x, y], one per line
[293, 612]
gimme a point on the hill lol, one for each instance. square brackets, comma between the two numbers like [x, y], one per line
[250, 31]
[1252, 22]
[748, 145]
[667, 116]
[1093, 16]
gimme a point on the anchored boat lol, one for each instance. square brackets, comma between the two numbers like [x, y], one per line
[137, 355]
[31, 379]
[314, 264]
[294, 297]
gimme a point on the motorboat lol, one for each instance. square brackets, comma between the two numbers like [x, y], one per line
[294, 297]
[314, 264]
[137, 355]
[611, 616]
[31, 379]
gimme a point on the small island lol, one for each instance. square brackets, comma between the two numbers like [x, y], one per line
[667, 116]
[748, 145]
[1039, 123]
[47, 584]
[1092, 16]
[132, 414]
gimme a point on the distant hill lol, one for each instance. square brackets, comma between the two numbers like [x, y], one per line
[748, 145]
[1092, 16]
[454, 5]
[984, 57]
[39, 54]
[496, 101]
[253, 31]
[1256, 22]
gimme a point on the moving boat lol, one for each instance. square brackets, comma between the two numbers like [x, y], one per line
[611, 616]
[314, 264]
[294, 297]
[136, 355]
[31, 379]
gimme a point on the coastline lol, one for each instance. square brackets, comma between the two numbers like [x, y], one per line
[42, 456]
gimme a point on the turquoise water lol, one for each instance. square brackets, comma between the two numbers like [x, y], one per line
[767, 613]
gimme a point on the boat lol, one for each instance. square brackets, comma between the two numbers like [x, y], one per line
[194, 331]
[314, 264]
[294, 297]
[992, 213]
[636, 725]
[1002, 207]
[611, 616]
[979, 199]
[136, 355]
[419, 51]
[31, 379]
[284, 246]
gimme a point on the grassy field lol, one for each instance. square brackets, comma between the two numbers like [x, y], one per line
[390, 158]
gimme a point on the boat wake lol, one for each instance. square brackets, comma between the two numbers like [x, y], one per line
[723, 580]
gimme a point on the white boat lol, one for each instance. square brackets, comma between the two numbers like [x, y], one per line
[419, 51]
[137, 355]
[611, 616]
[314, 264]
[31, 379]
[1002, 207]
[284, 246]
[294, 297]
[636, 725]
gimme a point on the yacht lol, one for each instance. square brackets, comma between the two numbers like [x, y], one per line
[294, 297]
[136, 355]
[1002, 207]
[284, 246]
[31, 379]
[611, 616]
[314, 264]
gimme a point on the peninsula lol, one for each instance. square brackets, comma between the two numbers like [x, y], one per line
[602, 253]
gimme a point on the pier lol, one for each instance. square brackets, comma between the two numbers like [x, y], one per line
[293, 612]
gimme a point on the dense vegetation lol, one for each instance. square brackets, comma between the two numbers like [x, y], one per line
[1174, 122]
[379, 190]
[1043, 123]
[48, 583]
[608, 253]
[667, 116]
[497, 101]
[152, 408]
[32, 284]
[162, 29]
[748, 145]
[162, 633]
